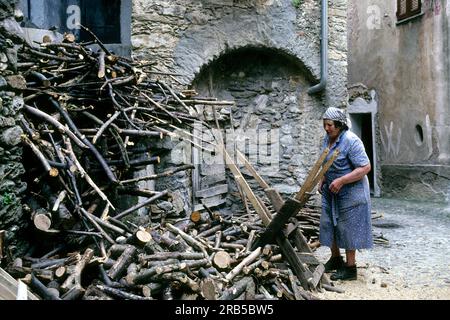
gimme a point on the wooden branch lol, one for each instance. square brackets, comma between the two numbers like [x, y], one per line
[52, 172]
[58, 125]
[122, 263]
[190, 240]
[121, 294]
[140, 205]
[173, 255]
[249, 259]
[74, 280]
[38, 287]
[96, 225]
[237, 289]
[104, 126]
[101, 65]
[159, 175]
[84, 174]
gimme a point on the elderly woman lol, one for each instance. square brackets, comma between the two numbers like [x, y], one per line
[346, 210]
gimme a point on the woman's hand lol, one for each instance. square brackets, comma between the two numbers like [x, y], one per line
[356, 175]
[336, 185]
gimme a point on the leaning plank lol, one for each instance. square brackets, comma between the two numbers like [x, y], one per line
[305, 255]
[317, 275]
[293, 205]
[308, 258]
[210, 202]
[288, 251]
[206, 193]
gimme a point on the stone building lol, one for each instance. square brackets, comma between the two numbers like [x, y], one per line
[399, 50]
[263, 55]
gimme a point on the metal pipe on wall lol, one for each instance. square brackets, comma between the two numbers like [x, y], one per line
[323, 51]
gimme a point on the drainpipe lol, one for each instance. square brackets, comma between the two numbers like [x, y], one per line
[323, 51]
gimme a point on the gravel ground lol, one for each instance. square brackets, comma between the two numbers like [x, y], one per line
[415, 265]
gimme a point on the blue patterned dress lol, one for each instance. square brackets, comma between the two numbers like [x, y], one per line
[347, 214]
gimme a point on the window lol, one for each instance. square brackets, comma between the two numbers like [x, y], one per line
[103, 18]
[408, 8]
[110, 20]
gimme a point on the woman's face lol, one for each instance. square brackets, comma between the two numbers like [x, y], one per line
[331, 130]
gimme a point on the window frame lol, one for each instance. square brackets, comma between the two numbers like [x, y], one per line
[410, 13]
[122, 47]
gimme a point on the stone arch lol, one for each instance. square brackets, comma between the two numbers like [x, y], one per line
[199, 45]
[269, 88]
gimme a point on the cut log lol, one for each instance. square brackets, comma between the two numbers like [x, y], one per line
[196, 216]
[122, 263]
[222, 260]
[208, 289]
[142, 238]
[237, 289]
[42, 221]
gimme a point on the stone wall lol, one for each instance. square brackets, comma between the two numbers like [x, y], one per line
[12, 219]
[186, 35]
[198, 38]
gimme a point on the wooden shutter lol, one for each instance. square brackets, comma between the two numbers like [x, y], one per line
[408, 8]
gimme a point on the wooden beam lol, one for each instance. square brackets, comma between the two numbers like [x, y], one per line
[293, 205]
[9, 287]
[216, 190]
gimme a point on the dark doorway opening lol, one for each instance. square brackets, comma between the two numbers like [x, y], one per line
[103, 18]
[362, 126]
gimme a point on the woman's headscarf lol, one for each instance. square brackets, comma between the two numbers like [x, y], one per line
[336, 114]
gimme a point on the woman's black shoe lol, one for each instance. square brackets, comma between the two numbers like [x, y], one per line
[345, 273]
[334, 264]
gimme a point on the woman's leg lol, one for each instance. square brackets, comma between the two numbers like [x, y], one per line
[335, 252]
[351, 257]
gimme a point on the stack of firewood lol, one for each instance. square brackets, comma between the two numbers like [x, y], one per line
[206, 256]
[85, 110]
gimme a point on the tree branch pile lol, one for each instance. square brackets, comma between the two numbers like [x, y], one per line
[85, 112]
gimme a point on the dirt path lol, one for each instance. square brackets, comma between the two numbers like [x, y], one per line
[414, 265]
[375, 283]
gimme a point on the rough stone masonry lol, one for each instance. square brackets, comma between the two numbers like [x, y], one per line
[11, 168]
[262, 54]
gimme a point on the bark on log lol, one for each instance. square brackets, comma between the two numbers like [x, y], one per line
[74, 280]
[38, 287]
[122, 263]
[237, 289]
[236, 270]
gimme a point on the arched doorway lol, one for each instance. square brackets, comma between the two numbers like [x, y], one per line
[274, 121]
